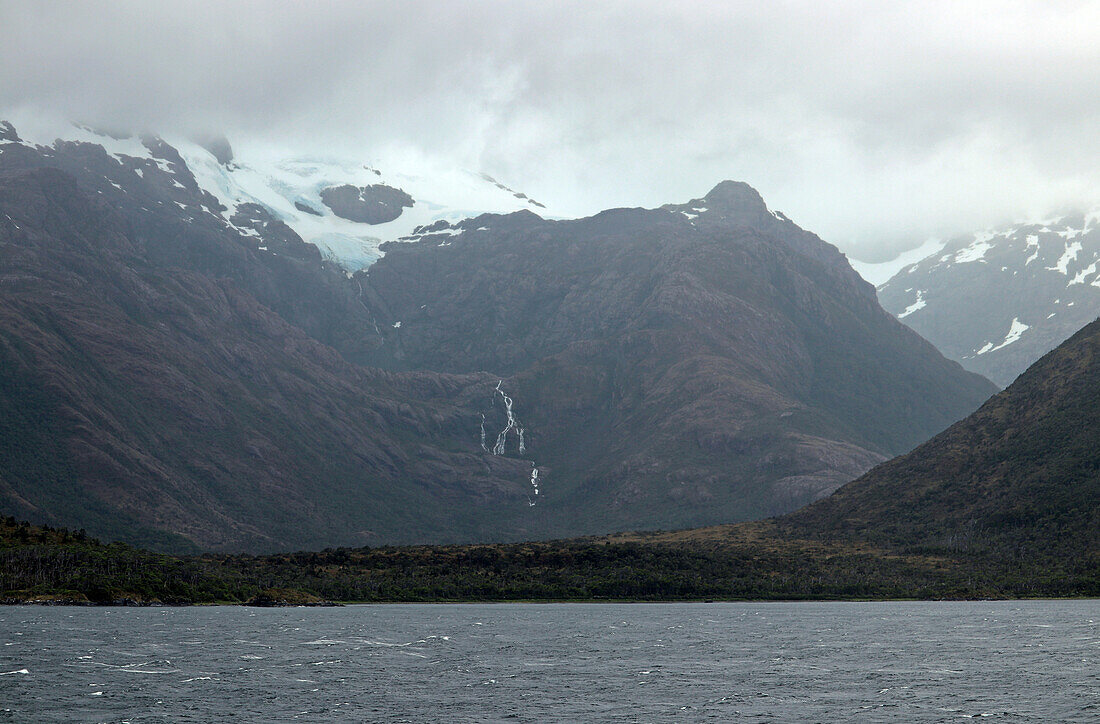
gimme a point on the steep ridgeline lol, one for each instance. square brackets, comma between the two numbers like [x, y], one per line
[1018, 478]
[999, 300]
[679, 366]
[181, 369]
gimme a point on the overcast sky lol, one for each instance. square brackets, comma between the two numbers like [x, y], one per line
[875, 124]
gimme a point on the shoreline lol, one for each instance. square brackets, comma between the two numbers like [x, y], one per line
[72, 603]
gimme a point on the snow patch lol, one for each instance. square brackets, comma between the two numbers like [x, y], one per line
[1015, 331]
[1032, 242]
[1083, 274]
[974, 252]
[278, 179]
[917, 305]
[1070, 233]
[1062, 267]
[41, 131]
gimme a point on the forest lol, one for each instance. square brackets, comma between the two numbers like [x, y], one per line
[746, 562]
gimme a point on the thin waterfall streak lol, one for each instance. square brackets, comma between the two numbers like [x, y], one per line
[364, 306]
[534, 485]
[502, 438]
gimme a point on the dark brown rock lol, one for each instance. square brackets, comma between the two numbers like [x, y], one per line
[374, 204]
[306, 208]
[218, 146]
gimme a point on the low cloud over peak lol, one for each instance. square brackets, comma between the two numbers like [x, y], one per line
[876, 125]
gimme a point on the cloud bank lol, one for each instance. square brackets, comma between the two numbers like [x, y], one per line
[875, 124]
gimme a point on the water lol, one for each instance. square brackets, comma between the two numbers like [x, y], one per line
[866, 662]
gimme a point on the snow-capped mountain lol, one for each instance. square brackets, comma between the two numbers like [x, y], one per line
[998, 300]
[345, 207]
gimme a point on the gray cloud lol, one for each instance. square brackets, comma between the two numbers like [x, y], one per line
[874, 124]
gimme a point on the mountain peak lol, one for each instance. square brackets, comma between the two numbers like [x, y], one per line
[7, 132]
[736, 196]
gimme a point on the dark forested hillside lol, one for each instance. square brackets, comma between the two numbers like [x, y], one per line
[1019, 477]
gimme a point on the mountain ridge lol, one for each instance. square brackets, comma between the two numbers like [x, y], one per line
[996, 301]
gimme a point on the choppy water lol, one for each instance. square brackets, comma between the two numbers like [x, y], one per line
[867, 662]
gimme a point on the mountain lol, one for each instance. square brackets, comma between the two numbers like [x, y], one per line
[697, 363]
[167, 406]
[180, 370]
[1020, 477]
[345, 207]
[998, 300]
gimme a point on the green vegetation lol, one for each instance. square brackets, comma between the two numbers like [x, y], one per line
[729, 562]
[43, 563]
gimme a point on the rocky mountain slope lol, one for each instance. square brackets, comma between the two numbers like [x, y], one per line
[999, 300]
[178, 371]
[696, 363]
[166, 405]
[1019, 477]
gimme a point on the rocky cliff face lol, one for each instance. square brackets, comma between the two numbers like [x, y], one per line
[180, 373]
